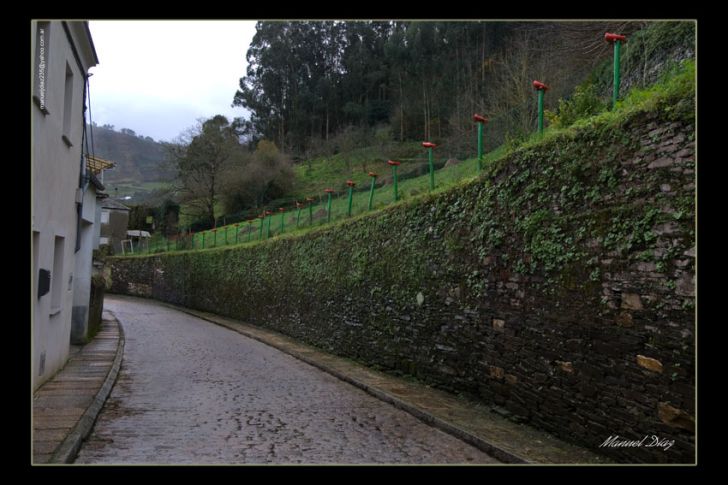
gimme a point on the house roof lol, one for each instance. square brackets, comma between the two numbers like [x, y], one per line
[110, 203]
[96, 164]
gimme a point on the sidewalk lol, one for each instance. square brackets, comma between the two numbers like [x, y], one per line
[65, 407]
[474, 423]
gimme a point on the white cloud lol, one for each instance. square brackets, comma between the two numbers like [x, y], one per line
[157, 78]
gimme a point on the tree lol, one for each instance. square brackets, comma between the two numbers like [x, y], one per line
[201, 157]
[264, 176]
[167, 215]
[308, 82]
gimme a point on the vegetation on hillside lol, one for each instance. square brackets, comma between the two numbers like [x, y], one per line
[673, 94]
[308, 82]
[285, 157]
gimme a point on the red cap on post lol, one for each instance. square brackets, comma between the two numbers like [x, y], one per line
[298, 205]
[538, 85]
[393, 163]
[350, 183]
[310, 199]
[269, 213]
[281, 209]
[372, 174]
[328, 191]
[428, 144]
[479, 119]
[614, 37]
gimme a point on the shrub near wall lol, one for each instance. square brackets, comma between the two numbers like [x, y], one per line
[559, 286]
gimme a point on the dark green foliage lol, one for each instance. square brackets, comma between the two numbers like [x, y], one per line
[587, 100]
[259, 179]
[308, 81]
[167, 216]
[139, 216]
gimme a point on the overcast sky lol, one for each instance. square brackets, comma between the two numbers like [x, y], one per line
[157, 78]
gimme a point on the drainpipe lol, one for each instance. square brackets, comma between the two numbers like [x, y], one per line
[82, 178]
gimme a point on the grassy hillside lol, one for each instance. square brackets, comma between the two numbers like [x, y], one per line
[676, 85]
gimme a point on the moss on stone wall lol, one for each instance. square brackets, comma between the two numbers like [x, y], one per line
[534, 287]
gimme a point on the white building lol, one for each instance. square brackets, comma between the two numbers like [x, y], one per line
[63, 194]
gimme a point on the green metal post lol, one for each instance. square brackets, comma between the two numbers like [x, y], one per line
[351, 195]
[430, 146]
[394, 173]
[615, 92]
[310, 213]
[351, 184]
[203, 240]
[480, 146]
[250, 229]
[371, 189]
[432, 169]
[283, 216]
[237, 230]
[214, 237]
[260, 233]
[167, 244]
[267, 234]
[226, 231]
[298, 216]
[540, 111]
[328, 209]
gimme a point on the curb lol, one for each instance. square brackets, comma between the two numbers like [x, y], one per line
[429, 419]
[68, 449]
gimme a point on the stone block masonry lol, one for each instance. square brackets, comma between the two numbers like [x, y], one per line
[558, 287]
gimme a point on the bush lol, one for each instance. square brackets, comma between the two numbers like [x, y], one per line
[585, 102]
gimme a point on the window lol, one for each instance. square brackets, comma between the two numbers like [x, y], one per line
[68, 106]
[104, 217]
[57, 275]
[40, 64]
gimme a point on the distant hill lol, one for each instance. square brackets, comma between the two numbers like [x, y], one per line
[138, 158]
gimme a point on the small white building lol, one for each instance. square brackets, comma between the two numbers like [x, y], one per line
[64, 209]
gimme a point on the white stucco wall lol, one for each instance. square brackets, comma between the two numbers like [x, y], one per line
[82, 278]
[55, 178]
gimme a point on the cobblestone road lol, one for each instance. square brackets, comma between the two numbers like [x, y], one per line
[192, 392]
